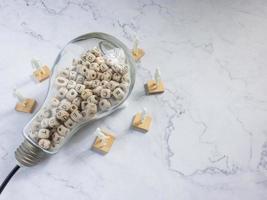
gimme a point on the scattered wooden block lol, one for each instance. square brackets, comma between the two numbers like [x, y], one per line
[103, 148]
[138, 54]
[27, 106]
[42, 73]
[153, 88]
[139, 125]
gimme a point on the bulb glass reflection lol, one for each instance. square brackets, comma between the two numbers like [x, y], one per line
[115, 53]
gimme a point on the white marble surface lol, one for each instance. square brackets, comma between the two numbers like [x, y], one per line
[209, 134]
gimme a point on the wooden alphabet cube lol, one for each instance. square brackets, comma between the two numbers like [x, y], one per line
[138, 54]
[141, 126]
[103, 148]
[26, 106]
[42, 73]
[153, 88]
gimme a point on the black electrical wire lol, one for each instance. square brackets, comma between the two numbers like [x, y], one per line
[10, 175]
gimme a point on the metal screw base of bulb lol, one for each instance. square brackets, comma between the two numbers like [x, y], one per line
[28, 154]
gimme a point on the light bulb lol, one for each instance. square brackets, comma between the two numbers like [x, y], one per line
[92, 76]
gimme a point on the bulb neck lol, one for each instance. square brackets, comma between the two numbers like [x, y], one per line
[27, 154]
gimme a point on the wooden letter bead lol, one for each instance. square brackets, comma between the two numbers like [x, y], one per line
[99, 76]
[99, 60]
[79, 88]
[90, 57]
[137, 122]
[62, 92]
[54, 102]
[33, 134]
[85, 114]
[87, 64]
[96, 83]
[118, 93]
[84, 63]
[77, 101]
[62, 115]
[153, 88]
[79, 61]
[83, 70]
[80, 79]
[124, 86]
[46, 113]
[71, 68]
[86, 93]
[92, 84]
[73, 75]
[88, 84]
[43, 133]
[98, 145]
[123, 70]
[125, 78]
[97, 90]
[84, 104]
[54, 111]
[75, 62]
[95, 67]
[56, 138]
[104, 104]
[64, 73]
[62, 130]
[91, 108]
[96, 51]
[69, 123]
[105, 93]
[90, 75]
[76, 116]
[53, 122]
[40, 116]
[116, 67]
[73, 107]
[64, 105]
[71, 94]
[44, 143]
[45, 123]
[113, 85]
[103, 67]
[79, 67]
[109, 62]
[83, 56]
[93, 99]
[110, 71]
[71, 84]
[107, 76]
[35, 126]
[104, 84]
[116, 77]
[61, 81]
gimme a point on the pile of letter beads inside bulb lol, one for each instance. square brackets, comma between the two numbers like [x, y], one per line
[93, 83]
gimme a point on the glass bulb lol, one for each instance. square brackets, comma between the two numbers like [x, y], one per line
[92, 76]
